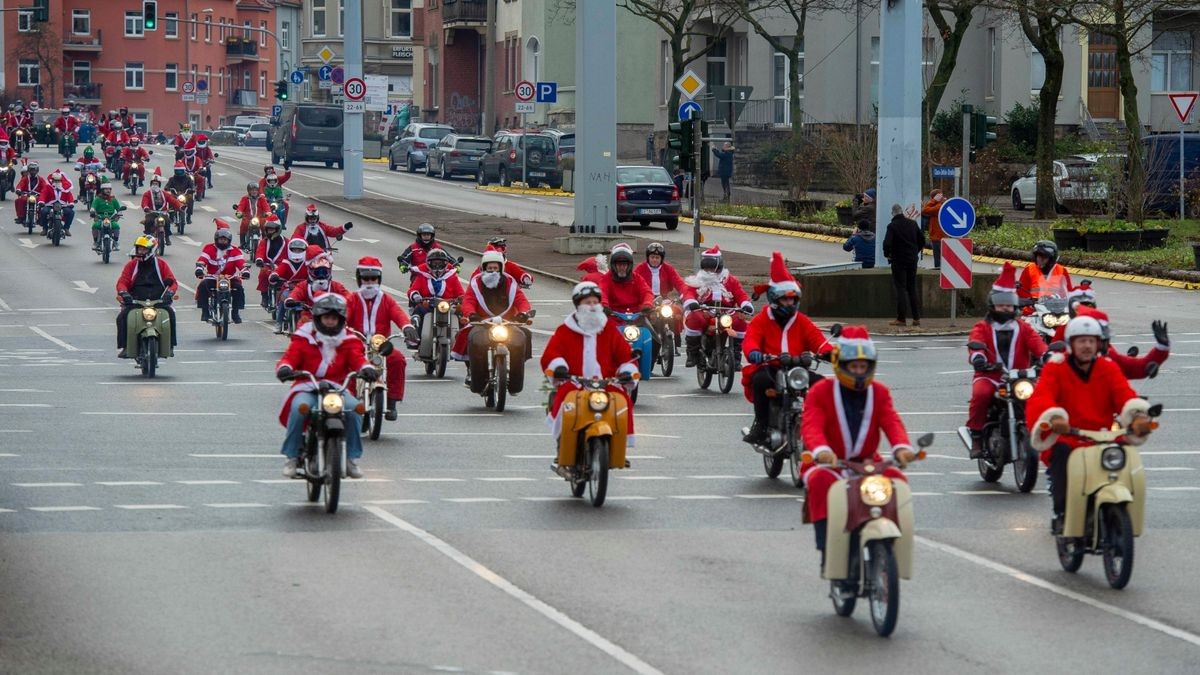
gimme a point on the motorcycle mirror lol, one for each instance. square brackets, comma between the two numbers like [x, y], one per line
[1058, 346]
[1132, 351]
[531, 313]
[976, 345]
[835, 330]
[1151, 371]
[925, 441]
[460, 259]
[1156, 409]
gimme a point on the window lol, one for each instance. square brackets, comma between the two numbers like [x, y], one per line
[993, 62]
[207, 77]
[318, 18]
[28, 74]
[221, 82]
[510, 62]
[401, 18]
[221, 30]
[262, 85]
[133, 24]
[172, 76]
[928, 50]
[246, 84]
[25, 21]
[341, 17]
[246, 29]
[717, 60]
[262, 34]
[193, 25]
[81, 72]
[665, 71]
[208, 29]
[780, 89]
[135, 76]
[81, 22]
[285, 35]
[171, 25]
[1171, 61]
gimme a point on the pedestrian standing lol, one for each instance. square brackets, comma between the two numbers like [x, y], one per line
[862, 242]
[864, 209]
[902, 247]
[724, 158]
[936, 235]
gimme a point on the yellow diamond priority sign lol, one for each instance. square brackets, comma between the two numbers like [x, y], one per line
[326, 54]
[690, 84]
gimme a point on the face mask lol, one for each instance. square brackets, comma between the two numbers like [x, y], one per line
[155, 188]
[296, 256]
[783, 312]
[369, 291]
[1002, 317]
[320, 284]
[590, 318]
[319, 273]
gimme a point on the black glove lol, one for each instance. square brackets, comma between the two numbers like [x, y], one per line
[368, 373]
[273, 279]
[245, 274]
[561, 373]
[521, 318]
[259, 264]
[646, 311]
[348, 226]
[979, 363]
[285, 373]
[475, 316]
[199, 273]
[291, 303]
[1160, 333]
[410, 333]
[126, 297]
[786, 360]
[168, 295]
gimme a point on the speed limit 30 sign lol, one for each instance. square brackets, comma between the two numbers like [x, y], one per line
[525, 91]
[356, 89]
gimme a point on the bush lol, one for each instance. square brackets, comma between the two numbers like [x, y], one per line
[946, 126]
[1022, 123]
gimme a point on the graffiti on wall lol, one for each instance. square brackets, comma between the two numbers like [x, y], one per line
[463, 112]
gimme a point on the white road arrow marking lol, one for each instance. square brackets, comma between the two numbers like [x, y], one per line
[186, 240]
[83, 286]
[367, 241]
[27, 243]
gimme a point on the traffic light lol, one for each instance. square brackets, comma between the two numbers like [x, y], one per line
[679, 140]
[41, 10]
[982, 130]
[150, 15]
[281, 90]
[705, 150]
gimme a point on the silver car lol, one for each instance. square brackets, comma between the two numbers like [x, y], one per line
[1079, 185]
[456, 154]
[411, 148]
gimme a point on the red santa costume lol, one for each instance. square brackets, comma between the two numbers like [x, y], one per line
[370, 311]
[62, 194]
[34, 187]
[766, 335]
[291, 269]
[214, 261]
[257, 208]
[66, 123]
[511, 268]
[182, 138]
[512, 302]
[1132, 367]
[7, 154]
[133, 154]
[593, 269]
[832, 406]
[319, 232]
[270, 252]
[596, 352]
[629, 295]
[279, 179]
[1012, 343]
[330, 358]
[311, 288]
[159, 200]
[118, 137]
[662, 280]
[426, 285]
[717, 288]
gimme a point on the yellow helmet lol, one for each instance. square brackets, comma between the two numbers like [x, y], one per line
[147, 242]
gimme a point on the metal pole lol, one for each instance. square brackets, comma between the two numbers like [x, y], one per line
[953, 301]
[966, 151]
[524, 155]
[352, 127]
[697, 183]
[1181, 184]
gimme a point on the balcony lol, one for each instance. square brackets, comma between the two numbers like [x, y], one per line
[87, 93]
[464, 13]
[243, 98]
[240, 49]
[82, 43]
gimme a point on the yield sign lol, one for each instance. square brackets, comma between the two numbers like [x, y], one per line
[1184, 102]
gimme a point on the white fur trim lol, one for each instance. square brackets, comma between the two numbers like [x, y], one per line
[784, 286]
[559, 361]
[1057, 357]
[1041, 441]
[1132, 407]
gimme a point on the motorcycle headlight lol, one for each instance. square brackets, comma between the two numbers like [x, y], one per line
[223, 285]
[632, 333]
[498, 333]
[666, 311]
[149, 313]
[1113, 458]
[182, 199]
[254, 221]
[1022, 389]
[32, 199]
[726, 321]
[332, 404]
[598, 401]
[876, 490]
[377, 341]
[377, 361]
[797, 378]
[443, 307]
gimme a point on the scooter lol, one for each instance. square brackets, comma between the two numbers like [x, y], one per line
[281, 208]
[499, 335]
[220, 304]
[638, 334]
[787, 406]
[160, 229]
[67, 145]
[437, 334]
[666, 340]
[106, 241]
[720, 349]
[1106, 502]
[148, 334]
[869, 539]
[374, 394]
[593, 436]
[323, 455]
[132, 179]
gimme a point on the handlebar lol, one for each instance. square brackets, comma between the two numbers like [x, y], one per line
[298, 374]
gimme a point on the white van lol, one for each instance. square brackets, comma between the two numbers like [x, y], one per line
[248, 120]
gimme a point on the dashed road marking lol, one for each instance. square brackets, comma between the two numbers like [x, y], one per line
[148, 507]
[239, 505]
[208, 482]
[40, 485]
[127, 483]
[698, 497]
[473, 500]
[62, 509]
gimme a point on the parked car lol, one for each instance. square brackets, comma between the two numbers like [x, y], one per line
[456, 154]
[307, 132]
[564, 142]
[1160, 153]
[1078, 186]
[238, 132]
[257, 135]
[508, 157]
[646, 194]
[411, 147]
[250, 120]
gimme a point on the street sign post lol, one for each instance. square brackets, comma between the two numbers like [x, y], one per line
[1184, 103]
[377, 93]
[944, 172]
[956, 270]
[957, 217]
[547, 92]
[524, 91]
[326, 54]
[296, 77]
[688, 110]
[355, 90]
[276, 110]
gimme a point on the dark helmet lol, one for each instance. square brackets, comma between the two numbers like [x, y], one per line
[252, 185]
[621, 253]
[426, 228]
[330, 303]
[655, 248]
[499, 242]
[1047, 248]
[712, 260]
[440, 257]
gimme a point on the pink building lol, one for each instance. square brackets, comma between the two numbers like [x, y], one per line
[99, 55]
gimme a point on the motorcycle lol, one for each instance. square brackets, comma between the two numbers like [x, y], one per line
[374, 394]
[281, 208]
[183, 215]
[499, 332]
[54, 224]
[20, 141]
[89, 187]
[132, 179]
[1005, 436]
[593, 437]
[666, 340]
[1106, 502]
[67, 145]
[44, 134]
[720, 349]
[638, 334]
[160, 229]
[148, 337]
[323, 455]
[1049, 312]
[869, 538]
[437, 334]
[787, 407]
[30, 219]
[292, 309]
[107, 242]
[8, 180]
[253, 234]
[199, 182]
[220, 305]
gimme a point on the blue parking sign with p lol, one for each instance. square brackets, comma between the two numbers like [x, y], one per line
[547, 92]
[276, 110]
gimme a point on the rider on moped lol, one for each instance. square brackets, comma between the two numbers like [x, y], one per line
[88, 161]
[712, 285]
[326, 349]
[291, 269]
[30, 183]
[1044, 276]
[58, 191]
[1082, 302]
[205, 156]
[251, 205]
[7, 154]
[622, 290]
[271, 186]
[66, 123]
[493, 295]
[270, 252]
[157, 200]
[780, 328]
[318, 281]
[417, 251]
[435, 279]
[134, 152]
[663, 279]
[181, 183]
[511, 268]
[1008, 343]
[1080, 390]
[183, 137]
[372, 312]
[221, 257]
[843, 419]
[145, 277]
[316, 231]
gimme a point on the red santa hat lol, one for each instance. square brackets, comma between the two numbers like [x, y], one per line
[273, 219]
[179, 165]
[621, 248]
[1004, 289]
[713, 253]
[1099, 316]
[588, 266]
[158, 171]
[3, 136]
[783, 284]
[369, 264]
[315, 253]
[310, 210]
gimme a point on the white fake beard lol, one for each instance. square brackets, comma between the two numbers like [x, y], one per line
[314, 229]
[369, 291]
[713, 282]
[591, 318]
[320, 284]
[490, 279]
[296, 257]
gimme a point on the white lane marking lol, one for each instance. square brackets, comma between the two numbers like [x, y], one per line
[162, 414]
[1064, 592]
[156, 382]
[927, 494]
[148, 507]
[630, 498]
[7, 511]
[1176, 489]
[395, 502]
[512, 590]
[272, 481]
[37, 485]
[1169, 452]
[964, 473]
[967, 459]
[257, 384]
[552, 456]
[978, 492]
[4, 306]
[647, 477]
[549, 499]
[955, 372]
[370, 480]
[26, 391]
[473, 500]
[9, 454]
[767, 496]
[124, 483]
[1161, 468]
[24, 405]
[923, 473]
[208, 482]
[208, 208]
[230, 456]
[53, 339]
[239, 505]
[436, 480]
[697, 497]
[451, 415]
[60, 509]
[715, 477]
[508, 480]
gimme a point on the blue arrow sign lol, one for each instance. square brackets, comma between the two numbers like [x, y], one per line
[325, 72]
[547, 92]
[296, 77]
[956, 217]
[201, 85]
[688, 110]
[276, 110]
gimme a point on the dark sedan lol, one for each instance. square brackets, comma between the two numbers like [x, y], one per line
[646, 194]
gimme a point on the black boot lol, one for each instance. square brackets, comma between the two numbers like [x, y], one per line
[265, 300]
[976, 444]
[758, 434]
[204, 315]
[693, 350]
[390, 414]
[237, 316]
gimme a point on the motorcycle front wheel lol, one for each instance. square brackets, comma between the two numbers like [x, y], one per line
[1117, 531]
[726, 372]
[666, 353]
[333, 467]
[105, 249]
[795, 463]
[885, 588]
[989, 473]
[500, 386]
[439, 370]
[598, 450]
[149, 356]
[1070, 553]
[703, 374]
[378, 404]
[223, 321]
[1025, 468]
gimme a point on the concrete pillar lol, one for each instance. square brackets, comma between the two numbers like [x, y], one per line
[596, 119]
[899, 113]
[352, 123]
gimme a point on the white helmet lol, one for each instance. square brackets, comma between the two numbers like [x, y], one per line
[1082, 326]
[491, 256]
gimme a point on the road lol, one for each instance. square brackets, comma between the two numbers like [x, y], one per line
[145, 528]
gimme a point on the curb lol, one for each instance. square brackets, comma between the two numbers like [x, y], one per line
[524, 191]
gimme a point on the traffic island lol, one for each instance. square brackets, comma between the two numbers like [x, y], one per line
[869, 294]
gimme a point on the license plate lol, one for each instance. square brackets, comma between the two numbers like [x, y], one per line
[538, 174]
[320, 148]
[650, 212]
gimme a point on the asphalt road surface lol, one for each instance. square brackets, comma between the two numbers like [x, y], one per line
[144, 527]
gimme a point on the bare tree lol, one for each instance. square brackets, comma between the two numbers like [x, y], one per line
[853, 158]
[43, 45]
[952, 18]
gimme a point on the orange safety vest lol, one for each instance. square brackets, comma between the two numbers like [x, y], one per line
[1054, 284]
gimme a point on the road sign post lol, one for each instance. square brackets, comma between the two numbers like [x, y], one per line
[1184, 103]
[547, 92]
[524, 91]
[352, 126]
[956, 270]
[697, 190]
